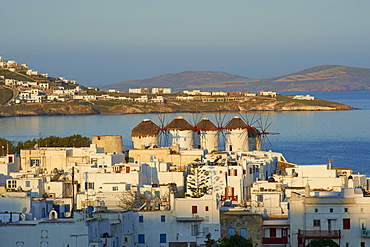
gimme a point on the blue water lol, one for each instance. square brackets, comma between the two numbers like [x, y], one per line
[305, 137]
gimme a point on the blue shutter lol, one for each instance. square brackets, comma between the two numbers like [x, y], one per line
[162, 238]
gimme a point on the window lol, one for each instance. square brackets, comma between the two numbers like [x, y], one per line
[260, 198]
[194, 209]
[44, 233]
[89, 185]
[115, 188]
[11, 184]
[194, 230]
[362, 244]
[163, 218]
[35, 162]
[272, 232]
[141, 218]
[28, 183]
[316, 210]
[230, 232]
[141, 238]
[162, 238]
[157, 194]
[346, 210]
[331, 210]
[346, 223]
[243, 232]
[235, 172]
[316, 223]
[207, 208]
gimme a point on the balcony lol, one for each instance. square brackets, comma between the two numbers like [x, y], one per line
[365, 233]
[281, 240]
[309, 234]
[232, 198]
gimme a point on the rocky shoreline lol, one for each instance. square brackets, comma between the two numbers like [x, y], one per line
[282, 104]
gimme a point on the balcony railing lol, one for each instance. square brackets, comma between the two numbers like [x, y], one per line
[232, 198]
[281, 240]
[306, 234]
[365, 233]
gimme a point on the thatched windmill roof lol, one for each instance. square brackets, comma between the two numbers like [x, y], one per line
[253, 132]
[206, 124]
[235, 123]
[145, 128]
[179, 123]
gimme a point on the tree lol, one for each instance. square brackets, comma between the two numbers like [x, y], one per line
[236, 241]
[197, 181]
[210, 242]
[322, 242]
[131, 200]
[6, 146]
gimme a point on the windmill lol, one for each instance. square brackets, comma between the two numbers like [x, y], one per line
[220, 119]
[236, 133]
[208, 134]
[264, 124]
[182, 132]
[196, 118]
[145, 134]
[251, 135]
[163, 134]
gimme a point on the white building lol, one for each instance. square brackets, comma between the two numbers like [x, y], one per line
[142, 99]
[341, 216]
[268, 93]
[188, 222]
[161, 90]
[304, 97]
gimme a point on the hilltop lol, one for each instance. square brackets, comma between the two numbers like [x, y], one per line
[319, 78]
[182, 81]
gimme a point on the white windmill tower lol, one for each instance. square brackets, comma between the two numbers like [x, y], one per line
[235, 140]
[208, 134]
[182, 132]
[145, 135]
[241, 136]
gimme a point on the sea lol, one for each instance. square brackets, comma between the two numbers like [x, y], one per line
[304, 138]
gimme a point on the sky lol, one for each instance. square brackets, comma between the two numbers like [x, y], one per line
[104, 42]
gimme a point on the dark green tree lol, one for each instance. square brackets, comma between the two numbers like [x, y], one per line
[210, 242]
[236, 241]
[197, 181]
[76, 140]
[322, 242]
[6, 146]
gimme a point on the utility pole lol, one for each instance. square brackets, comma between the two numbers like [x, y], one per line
[73, 190]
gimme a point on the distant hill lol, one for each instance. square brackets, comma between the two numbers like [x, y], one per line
[182, 81]
[319, 78]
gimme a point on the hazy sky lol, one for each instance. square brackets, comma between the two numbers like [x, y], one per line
[103, 42]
